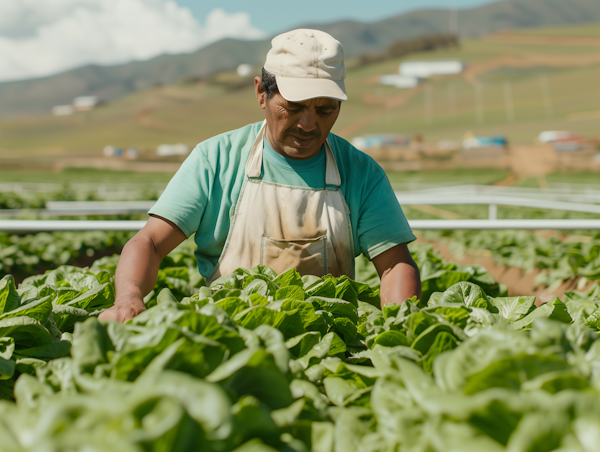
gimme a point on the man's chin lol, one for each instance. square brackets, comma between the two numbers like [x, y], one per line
[300, 153]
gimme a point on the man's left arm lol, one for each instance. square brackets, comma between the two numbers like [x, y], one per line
[399, 275]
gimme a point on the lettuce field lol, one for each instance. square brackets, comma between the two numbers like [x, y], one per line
[266, 362]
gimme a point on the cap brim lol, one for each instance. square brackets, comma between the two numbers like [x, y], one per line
[298, 89]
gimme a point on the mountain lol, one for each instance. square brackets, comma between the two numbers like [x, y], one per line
[111, 82]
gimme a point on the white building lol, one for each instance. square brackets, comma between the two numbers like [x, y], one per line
[429, 68]
[62, 110]
[399, 81]
[244, 70]
[550, 136]
[165, 150]
[85, 102]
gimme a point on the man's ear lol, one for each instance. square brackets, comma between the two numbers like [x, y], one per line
[261, 96]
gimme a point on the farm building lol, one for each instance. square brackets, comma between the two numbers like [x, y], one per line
[379, 140]
[62, 110]
[165, 150]
[244, 70]
[399, 81]
[85, 102]
[429, 68]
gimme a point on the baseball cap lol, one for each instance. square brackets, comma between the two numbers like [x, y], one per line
[307, 64]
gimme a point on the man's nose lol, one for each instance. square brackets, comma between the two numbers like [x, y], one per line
[307, 121]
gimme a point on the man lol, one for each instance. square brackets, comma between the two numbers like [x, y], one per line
[285, 193]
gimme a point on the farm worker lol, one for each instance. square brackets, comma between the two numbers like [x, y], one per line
[284, 192]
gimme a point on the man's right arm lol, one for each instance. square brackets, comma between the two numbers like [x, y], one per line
[138, 267]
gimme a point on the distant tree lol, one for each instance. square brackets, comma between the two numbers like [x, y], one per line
[422, 44]
[405, 47]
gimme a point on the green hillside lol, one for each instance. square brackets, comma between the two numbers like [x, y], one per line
[552, 87]
[110, 83]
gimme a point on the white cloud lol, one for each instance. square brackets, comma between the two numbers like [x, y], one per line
[39, 38]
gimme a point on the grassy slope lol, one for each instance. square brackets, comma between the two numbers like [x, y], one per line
[584, 31]
[192, 113]
[112, 82]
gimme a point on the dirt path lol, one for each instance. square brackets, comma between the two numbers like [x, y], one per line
[518, 282]
[510, 180]
[528, 60]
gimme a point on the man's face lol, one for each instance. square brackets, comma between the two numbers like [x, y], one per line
[297, 129]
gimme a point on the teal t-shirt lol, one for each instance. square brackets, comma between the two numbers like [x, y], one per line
[201, 196]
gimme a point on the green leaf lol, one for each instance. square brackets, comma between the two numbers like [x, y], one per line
[9, 298]
[465, 293]
[254, 372]
[91, 345]
[539, 431]
[425, 340]
[37, 309]
[232, 305]
[444, 341]
[263, 270]
[252, 420]
[345, 291]
[555, 310]
[7, 369]
[7, 347]
[290, 277]
[330, 345]
[323, 288]
[26, 331]
[56, 349]
[259, 284]
[513, 372]
[300, 345]
[392, 338]
[341, 391]
[513, 308]
[100, 297]
[345, 328]
[339, 308]
[293, 291]
[66, 316]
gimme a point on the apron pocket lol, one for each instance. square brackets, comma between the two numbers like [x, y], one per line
[308, 256]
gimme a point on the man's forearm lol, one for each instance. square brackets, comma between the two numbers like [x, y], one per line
[399, 283]
[137, 270]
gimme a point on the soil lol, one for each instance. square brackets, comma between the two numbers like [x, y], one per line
[518, 282]
[81, 261]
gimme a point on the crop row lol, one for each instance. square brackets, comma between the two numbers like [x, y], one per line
[558, 258]
[266, 362]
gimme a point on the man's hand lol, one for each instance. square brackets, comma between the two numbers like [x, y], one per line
[124, 311]
[399, 275]
[138, 267]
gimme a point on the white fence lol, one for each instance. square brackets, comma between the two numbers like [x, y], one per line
[585, 200]
[115, 225]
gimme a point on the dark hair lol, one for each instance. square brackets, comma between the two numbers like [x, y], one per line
[269, 83]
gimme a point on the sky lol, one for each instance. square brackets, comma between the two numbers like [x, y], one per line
[45, 37]
[280, 15]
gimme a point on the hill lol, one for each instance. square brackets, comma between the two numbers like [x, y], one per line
[552, 81]
[39, 95]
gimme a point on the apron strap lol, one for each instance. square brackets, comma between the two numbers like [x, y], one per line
[254, 164]
[332, 173]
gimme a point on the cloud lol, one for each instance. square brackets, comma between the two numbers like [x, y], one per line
[39, 38]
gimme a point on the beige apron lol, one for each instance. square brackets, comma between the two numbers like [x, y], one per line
[285, 227]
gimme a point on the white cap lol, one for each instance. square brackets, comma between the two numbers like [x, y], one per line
[307, 64]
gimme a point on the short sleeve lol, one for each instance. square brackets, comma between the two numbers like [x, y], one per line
[184, 200]
[382, 224]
